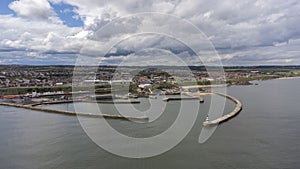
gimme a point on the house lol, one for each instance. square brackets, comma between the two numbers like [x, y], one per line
[145, 86]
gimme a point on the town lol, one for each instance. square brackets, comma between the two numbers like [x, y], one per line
[35, 80]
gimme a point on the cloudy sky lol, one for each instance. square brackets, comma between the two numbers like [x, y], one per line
[255, 32]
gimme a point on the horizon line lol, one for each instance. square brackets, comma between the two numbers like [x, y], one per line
[298, 65]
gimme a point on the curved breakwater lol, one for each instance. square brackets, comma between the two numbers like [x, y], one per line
[197, 96]
[236, 111]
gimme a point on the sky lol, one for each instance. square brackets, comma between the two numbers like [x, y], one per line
[61, 32]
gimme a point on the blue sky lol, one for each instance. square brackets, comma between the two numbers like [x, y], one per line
[4, 7]
[57, 31]
[66, 14]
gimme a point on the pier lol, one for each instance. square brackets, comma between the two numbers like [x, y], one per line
[201, 99]
[236, 111]
[179, 98]
[89, 101]
[109, 116]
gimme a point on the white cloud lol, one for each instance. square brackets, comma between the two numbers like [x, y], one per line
[243, 32]
[35, 9]
[22, 35]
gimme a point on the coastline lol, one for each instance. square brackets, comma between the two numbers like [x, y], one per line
[287, 78]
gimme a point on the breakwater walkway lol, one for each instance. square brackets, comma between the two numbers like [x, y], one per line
[89, 101]
[194, 96]
[236, 111]
[73, 113]
[179, 98]
[201, 100]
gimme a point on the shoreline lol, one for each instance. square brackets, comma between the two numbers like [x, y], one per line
[287, 78]
[281, 78]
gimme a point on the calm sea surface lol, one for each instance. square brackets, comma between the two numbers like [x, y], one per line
[266, 134]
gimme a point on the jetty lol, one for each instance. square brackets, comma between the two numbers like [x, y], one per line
[109, 116]
[236, 111]
[201, 100]
[179, 98]
[88, 101]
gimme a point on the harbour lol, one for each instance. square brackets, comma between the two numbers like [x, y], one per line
[259, 137]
